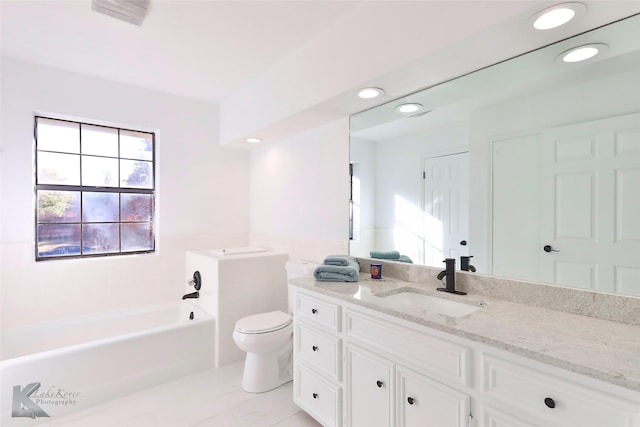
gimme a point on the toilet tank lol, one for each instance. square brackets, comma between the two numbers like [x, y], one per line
[297, 269]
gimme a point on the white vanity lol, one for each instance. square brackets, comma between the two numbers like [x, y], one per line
[362, 360]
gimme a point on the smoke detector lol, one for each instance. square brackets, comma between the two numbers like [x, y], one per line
[133, 11]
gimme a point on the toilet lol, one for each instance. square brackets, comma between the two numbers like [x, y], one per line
[267, 338]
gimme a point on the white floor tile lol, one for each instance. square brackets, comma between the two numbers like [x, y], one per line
[212, 398]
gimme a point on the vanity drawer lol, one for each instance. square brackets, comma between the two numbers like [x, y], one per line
[319, 398]
[438, 358]
[559, 402]
[318, 349]
[318, 312]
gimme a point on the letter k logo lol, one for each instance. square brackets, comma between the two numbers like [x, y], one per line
[22, 405]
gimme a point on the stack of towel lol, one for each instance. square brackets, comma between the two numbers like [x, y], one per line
[391, 256]
[338, 268]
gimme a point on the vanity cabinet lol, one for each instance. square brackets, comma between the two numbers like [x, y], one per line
[317, 352]
[358, 367]
[369, 388]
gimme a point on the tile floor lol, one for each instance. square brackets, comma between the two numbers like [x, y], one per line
[212, 398]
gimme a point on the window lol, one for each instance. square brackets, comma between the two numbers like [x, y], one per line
[95, 190]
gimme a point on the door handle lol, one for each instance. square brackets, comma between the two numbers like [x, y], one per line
[549, 248]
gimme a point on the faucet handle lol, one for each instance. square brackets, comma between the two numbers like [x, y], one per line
[196, 282]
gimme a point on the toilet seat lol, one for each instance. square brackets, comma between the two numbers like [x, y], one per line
[263, 323]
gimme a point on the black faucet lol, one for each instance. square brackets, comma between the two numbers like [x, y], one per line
[450, 274]
[464, 264]
[195, 294]
[196, 282]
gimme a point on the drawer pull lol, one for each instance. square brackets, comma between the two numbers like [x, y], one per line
[314, 311]
[379, 384]
[314, 348]
[411, 400]
[550, 403]
[315, 395]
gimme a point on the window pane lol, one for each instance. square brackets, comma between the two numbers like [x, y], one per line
[136, 207]
[137, 237]
[99, 140]
[136, 145]
[58, 239]
[56, 168]
[136, 174]
[99, 171]
[99, 207]
[58, 135]
[58, 206]
[100, 238]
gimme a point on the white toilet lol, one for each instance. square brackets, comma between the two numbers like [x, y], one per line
[268, 340]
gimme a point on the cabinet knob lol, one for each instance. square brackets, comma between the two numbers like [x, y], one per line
[410, 400]
[550, 402]
[314, 311]
[379, 384]
[314, 348]
[315, 395]
[549, 248]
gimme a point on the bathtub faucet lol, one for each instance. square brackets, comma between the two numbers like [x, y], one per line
[195, 294]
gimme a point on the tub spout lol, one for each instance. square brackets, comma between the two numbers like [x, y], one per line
[195, 294]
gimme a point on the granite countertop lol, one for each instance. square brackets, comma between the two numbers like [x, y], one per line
[602, 349]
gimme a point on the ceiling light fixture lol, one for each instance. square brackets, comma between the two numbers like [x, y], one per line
[555, 16]
[370, 92]
[582, 53]
[408, 108]
[253, 140]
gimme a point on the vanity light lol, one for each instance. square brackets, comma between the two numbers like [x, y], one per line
[408, 108]
[370, 92]
[555, 16]
[582, 53]
[253, 140]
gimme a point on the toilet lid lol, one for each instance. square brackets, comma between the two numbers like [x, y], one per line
[263, 322]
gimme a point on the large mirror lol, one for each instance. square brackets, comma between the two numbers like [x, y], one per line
[531, 166]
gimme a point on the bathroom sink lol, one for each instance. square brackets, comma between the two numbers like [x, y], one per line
[430, 304]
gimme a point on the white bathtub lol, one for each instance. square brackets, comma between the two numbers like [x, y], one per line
[90, 360]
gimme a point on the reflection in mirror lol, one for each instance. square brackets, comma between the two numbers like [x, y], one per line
[531, 166]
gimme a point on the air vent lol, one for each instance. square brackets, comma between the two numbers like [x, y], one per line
[133, 11]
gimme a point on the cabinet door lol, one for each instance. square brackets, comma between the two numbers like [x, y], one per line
[426, 403]
[494, 418]
[369, 389]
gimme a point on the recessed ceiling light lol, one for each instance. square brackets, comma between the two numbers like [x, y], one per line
[582, 53]
[555, 16]
[370, 92]
[253, 140]
[408, 108]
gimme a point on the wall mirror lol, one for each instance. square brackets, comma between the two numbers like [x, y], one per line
[531, 166]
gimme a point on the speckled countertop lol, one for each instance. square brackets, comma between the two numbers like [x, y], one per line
[602, 349]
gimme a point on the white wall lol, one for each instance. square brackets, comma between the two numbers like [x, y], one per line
[300, 193]
[202, 195]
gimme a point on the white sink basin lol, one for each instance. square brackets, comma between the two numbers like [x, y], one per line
[432, 304]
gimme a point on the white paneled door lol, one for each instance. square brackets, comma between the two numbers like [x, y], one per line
[590, 205]
[446, 207]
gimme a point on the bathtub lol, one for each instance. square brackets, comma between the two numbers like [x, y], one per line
[62, 367]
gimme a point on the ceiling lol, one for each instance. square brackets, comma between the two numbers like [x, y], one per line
[199, 49]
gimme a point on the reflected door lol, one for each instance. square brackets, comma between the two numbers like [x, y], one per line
[590, 205]
[446, 207]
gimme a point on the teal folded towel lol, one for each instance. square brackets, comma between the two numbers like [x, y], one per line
[404, 258]
[348, 271]
[384, 255]
[341, 260]
[336, 273]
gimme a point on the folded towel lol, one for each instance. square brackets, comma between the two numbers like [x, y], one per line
[404, 258]
[342, 260]
[336, 273]
[384, 255]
